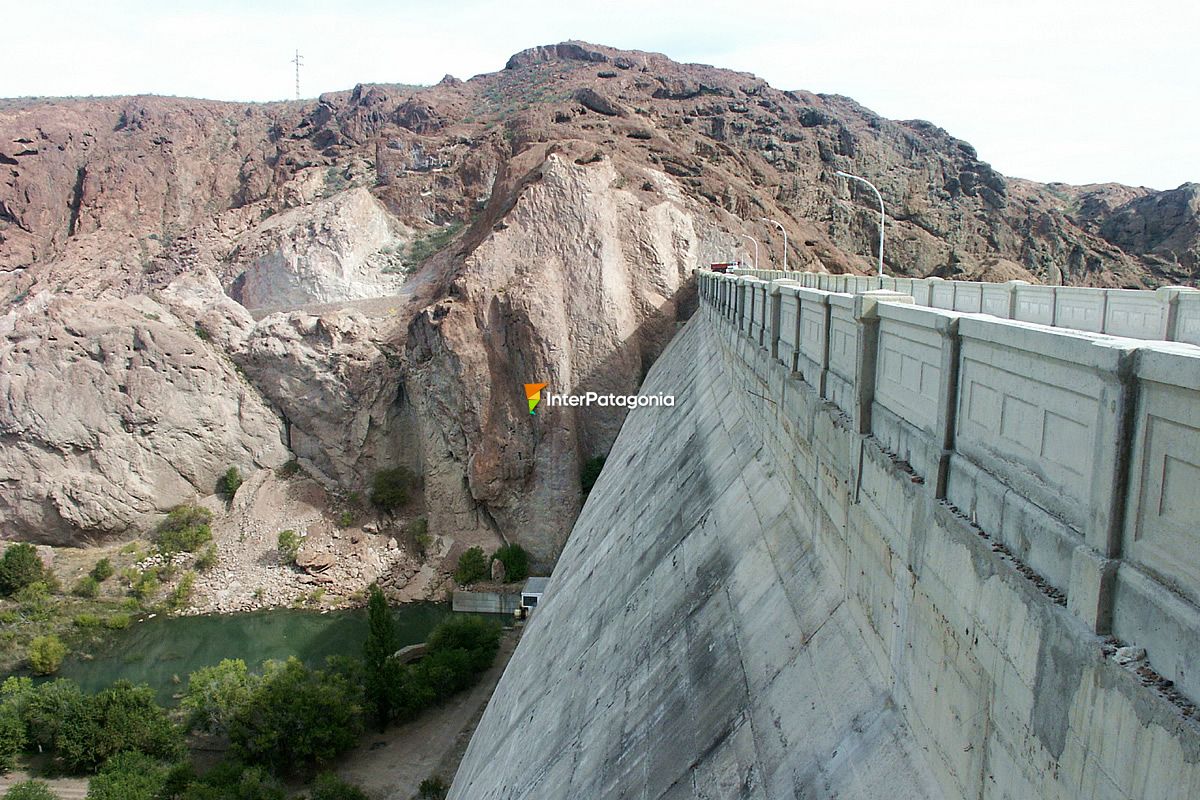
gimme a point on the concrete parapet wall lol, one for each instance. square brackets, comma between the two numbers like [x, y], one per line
[1016, 494]
[1078, 452]
[1171, 313]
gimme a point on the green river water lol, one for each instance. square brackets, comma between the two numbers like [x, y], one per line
[163, 651]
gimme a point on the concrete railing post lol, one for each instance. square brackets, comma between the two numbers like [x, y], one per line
[867, 318]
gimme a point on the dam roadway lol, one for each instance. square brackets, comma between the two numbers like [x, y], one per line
[874, 551]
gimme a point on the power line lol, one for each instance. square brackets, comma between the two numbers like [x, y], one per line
[298, 61]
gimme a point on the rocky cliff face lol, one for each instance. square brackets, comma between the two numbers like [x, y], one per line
[367, 280]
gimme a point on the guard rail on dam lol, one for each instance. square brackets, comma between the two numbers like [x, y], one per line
[1171, 313]
[877, 550]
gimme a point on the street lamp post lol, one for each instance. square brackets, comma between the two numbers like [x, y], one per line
[879, 197]
[751, 238]
[777, 224]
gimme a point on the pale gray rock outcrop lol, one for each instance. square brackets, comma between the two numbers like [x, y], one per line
[114, 411]
[334, 249]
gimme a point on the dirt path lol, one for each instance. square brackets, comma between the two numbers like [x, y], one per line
[390, 766]
[63, 788]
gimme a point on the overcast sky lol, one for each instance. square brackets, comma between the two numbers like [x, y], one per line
[1066, 90]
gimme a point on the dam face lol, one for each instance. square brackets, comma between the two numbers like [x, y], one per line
[828, 572]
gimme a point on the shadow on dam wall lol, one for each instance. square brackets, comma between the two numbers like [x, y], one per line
[757, 601]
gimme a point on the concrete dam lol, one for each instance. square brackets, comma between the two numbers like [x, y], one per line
[885, 545]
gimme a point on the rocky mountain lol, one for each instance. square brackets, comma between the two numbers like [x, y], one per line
[367, 280]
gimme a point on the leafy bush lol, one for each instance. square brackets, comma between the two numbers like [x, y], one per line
[459, 650]
[129, 776]
[472, 566]
[12, 736]
[390, 488]
[230, 780]
[87, 620]
[289, 546]
[591, 473]
[515, 561]
[182, 592]
[330, 787]
[121, 718]
[87, 586]
[186, 528]
[30, 790]
[229, 483]
[20, 566]
[215, 695]
[118, 622]
[433, 788]
[102, 571]
[46, 654]
[46, 707]
[207, 559]
[345, 519]
[297, 717]
[147, 585]
[476, 635]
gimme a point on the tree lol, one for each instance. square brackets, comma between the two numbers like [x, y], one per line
[330, 787]
[20, 566]
[46, 654]
[46, 708]
[298, 717]
[30, 790]
[433, 788]
[215, 695]
[230, 780]
[515, 561]
[129, 776]
[122, 717]
[12, 736]
[478, 636]
[472, 566]
[390, 488]
[381, 645]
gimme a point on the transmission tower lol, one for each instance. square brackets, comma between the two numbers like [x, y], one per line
[298, 61]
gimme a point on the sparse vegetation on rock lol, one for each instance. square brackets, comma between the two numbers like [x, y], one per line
[391, 488]
[229, 483]
[289, 546]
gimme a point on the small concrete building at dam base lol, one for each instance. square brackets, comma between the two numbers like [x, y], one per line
[879, 548]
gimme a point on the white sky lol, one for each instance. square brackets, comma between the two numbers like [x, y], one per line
[1080, 91]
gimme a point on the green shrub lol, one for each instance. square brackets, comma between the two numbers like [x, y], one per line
[12, 736]
[102, 571]
[345, 519]
[20, 566]
[515, 561]
[87, 586]
[390, 488]
[330, 787]
[129, 776]
[30, 790]
[118, 622]
[229, 483]
[45, 708]
[46, 654]
[216, 695]
[231, 780]
[182, 592]
[121, 718]
[472, 566]
[86, 620]
[326, 706]
[433, 788]
[147, 585]
[591, 473]
[207, 559]
[186, 528]
[421, 538]
[289, 546]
